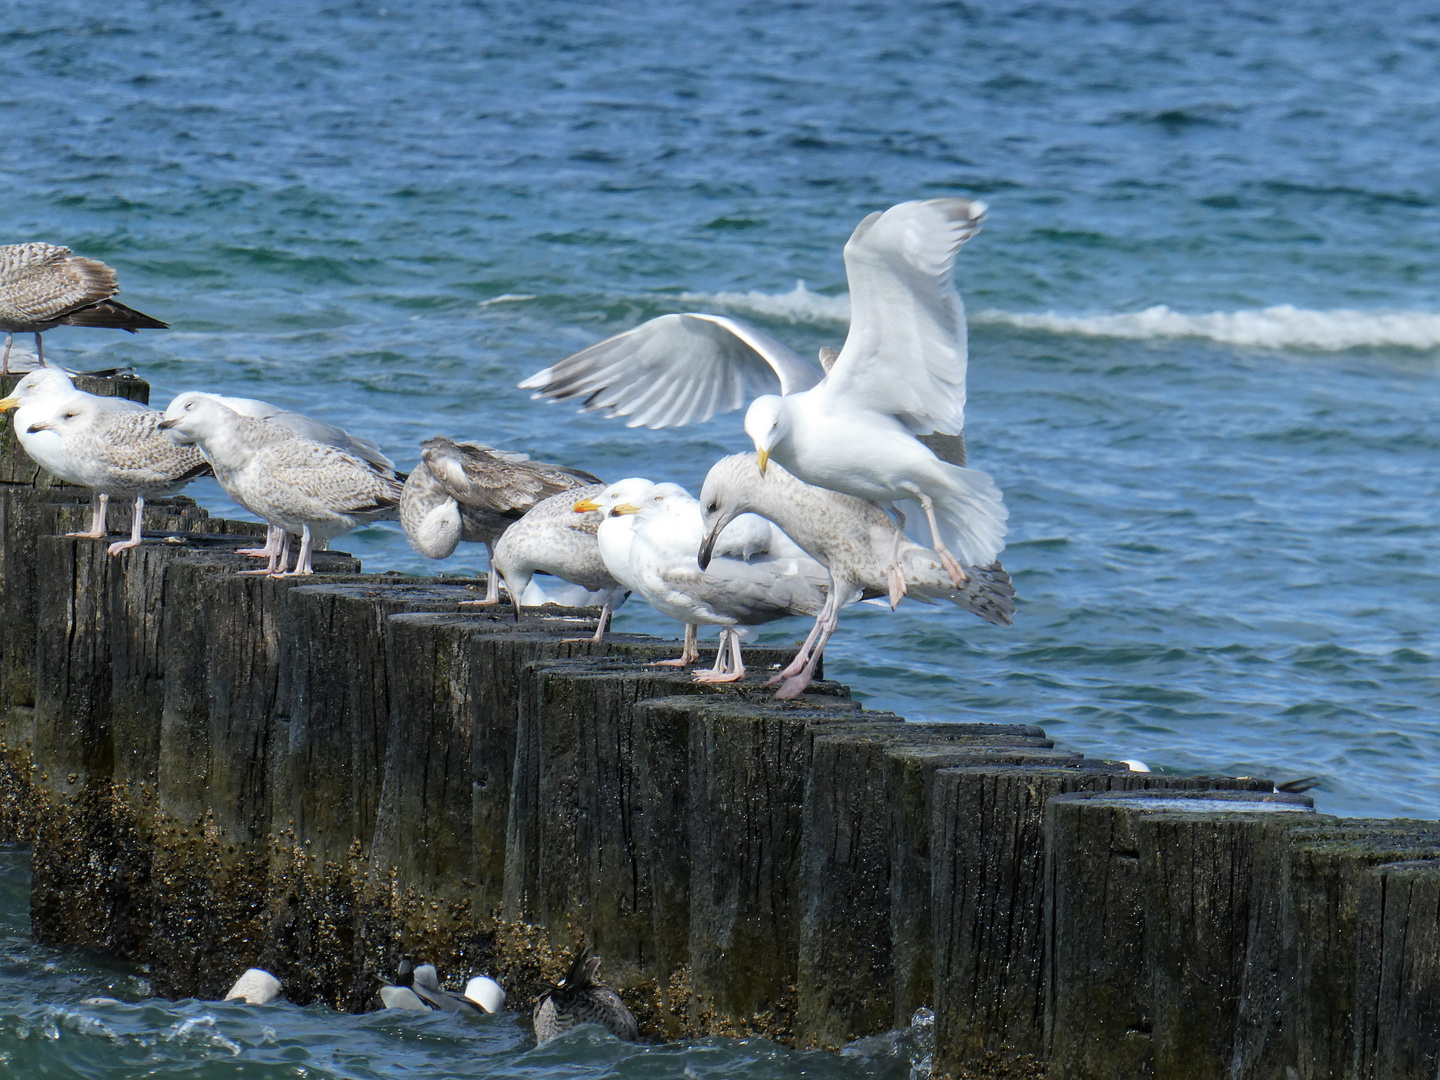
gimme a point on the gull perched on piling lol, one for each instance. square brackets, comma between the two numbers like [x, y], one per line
[759, 577]
[302, 486]
[110, 445]
[581, 998]
[553, 539]
[884, 422]
[857, 541]
[467, 491]
[43, 286]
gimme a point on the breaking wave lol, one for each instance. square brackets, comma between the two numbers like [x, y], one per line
[1281, 327]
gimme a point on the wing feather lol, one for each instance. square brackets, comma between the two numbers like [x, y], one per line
[676, 369]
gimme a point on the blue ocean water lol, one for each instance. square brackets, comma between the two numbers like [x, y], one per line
[1205, 344]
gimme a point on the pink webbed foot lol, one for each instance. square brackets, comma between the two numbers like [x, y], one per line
[91, 535]
[121, 545]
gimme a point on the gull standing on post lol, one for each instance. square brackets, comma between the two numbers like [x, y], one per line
[43, 286]
[466, 491]
[866, 555]
[110, 445]
[885, 422]
[299, 485]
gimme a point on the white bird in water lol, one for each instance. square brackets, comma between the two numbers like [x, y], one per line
[304, 487]
[553, 539]
[884, 423]
[761, 575]
[857, 541]
[110, 445]
[466, 491]
[43, 286]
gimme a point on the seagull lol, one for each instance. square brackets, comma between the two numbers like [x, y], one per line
[885, 422]
[552, 539]
[43, 286]
[302, 486]
[110, 445]
[857, 541]
[581, 998]
[762, 576]
[298, 424]
[467, 491]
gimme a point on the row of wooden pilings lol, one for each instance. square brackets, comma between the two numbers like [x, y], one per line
[321, 776]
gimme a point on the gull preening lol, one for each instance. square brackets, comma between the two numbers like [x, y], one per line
[884, 422]
[466, 491]
[43, 286]
[581, 998]
[110, 445]
[553, 539]
[309, 488]
[649, 540]
[865, 553]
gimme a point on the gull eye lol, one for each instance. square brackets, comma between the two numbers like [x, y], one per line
[69, 416]
[712, 508]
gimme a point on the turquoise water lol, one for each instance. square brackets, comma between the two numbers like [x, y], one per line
[1205, 341]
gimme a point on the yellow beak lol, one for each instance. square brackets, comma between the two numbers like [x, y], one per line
[625, 508]
[9, 403]
[764, 456]
[584, 506]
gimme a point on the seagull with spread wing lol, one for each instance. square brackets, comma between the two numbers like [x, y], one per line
[884, 421]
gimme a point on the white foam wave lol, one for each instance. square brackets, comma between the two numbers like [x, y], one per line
[1281, 327]
[800, 305]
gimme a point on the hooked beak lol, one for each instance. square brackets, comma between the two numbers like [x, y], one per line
[9, 403]
[764, 456]
[164, 425]
[707, 548]
[39, 425]
[624, 508]
[585, 506]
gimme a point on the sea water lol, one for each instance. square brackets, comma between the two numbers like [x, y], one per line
[1205, 342]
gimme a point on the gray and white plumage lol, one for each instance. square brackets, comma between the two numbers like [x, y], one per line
[312, 489]
[553, 539]
[43, 286]
[581, 998]
[758, 578]
[468, 491]
[307, 427]
[885, 422]
[110, 445]
[857, 541]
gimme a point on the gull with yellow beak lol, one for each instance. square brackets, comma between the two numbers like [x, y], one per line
[110, 445]
[759, 576]
[884, 421]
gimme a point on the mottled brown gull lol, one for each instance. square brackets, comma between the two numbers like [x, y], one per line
[304, 487]
[468, 491]
[110, 445]
[857, 541]
[43, 286]
[865, 427]
[553, 539]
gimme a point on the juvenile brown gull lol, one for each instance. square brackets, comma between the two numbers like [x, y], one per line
[108, 444]
[43, 286]
[858, 543]
[553, 539]
[767, 578]
[884, 423]
[467, 491]
[314, 489]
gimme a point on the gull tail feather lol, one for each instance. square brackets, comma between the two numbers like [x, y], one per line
[987, 591]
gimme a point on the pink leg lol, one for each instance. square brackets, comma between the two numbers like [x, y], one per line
[492, 583]
[272, 539]
[303, 560]
[99, 511]
[794, 686]
[798, 664]
[688, 654]
[278, 558]
[951, 564]
[735, 670]
[134, 541]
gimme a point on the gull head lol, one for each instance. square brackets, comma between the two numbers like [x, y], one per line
[38, 384]
[767, 422]
[192, 416]
[69, 414]
[726, 494]
[623, 492]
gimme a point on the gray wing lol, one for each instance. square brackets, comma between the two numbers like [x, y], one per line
[130, 442]
[496, 481]
[307, 427]
[753, 592]
[328, 477]
[676, 369]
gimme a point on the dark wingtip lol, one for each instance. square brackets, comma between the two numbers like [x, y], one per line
[1298, 787]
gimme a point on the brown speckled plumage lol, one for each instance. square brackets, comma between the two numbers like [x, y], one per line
[581, 998]
[43, 286]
